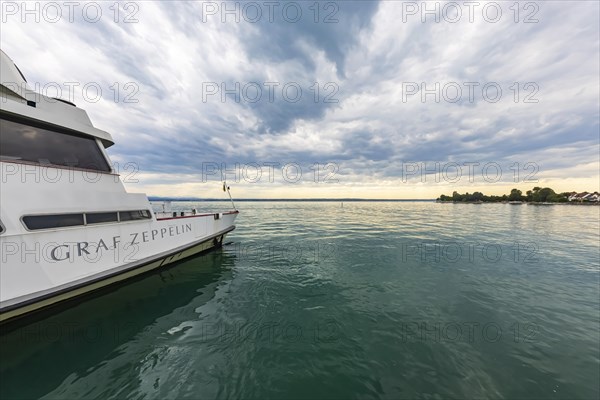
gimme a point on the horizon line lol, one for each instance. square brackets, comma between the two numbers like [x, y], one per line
[165, 198]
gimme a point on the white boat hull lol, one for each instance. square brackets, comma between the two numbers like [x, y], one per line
[71, 272]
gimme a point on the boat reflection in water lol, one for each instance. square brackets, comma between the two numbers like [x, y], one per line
[123, 319]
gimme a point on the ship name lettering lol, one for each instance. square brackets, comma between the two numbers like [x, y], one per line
[53, 253]
[81, 248]
[134, 235]
[146, 236]
[102, 244]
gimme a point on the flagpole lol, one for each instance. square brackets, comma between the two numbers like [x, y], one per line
[229, 193]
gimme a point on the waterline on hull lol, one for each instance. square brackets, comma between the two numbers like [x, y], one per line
[43, 300]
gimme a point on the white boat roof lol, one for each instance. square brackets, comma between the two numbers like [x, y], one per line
[18, 99]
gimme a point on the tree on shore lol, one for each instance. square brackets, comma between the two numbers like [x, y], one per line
[536, 195]
[515, 195]
[546, 194]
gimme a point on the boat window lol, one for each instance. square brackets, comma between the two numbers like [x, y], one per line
[100, 218]
[21, 142]
[35, 222]
[1, 228]
[134, 215]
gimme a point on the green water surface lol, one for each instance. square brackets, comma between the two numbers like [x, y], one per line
[315, 300]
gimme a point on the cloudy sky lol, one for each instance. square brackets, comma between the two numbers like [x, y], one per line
[329, 99]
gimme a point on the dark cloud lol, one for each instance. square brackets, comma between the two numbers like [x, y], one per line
[325, 26]
[333, 29]
[367, 54]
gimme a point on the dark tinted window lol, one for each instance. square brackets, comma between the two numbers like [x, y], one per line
[98, 218]
[34, 222]
[134, 215]
[1, 227]
[47, 147]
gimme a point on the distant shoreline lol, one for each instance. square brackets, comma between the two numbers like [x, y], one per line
[189, 200]
[529, 203]
[349, 200]
[535, 196]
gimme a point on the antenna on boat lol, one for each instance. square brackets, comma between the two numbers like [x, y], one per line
[226, 189]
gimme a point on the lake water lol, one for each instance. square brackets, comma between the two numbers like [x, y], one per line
[315, 300]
